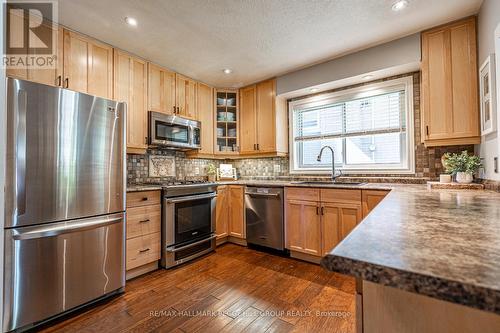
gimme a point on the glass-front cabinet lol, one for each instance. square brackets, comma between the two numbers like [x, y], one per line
[226, 118]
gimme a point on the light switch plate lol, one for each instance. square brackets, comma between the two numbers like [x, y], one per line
[277, 168]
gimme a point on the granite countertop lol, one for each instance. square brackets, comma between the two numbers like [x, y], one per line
[439, 243]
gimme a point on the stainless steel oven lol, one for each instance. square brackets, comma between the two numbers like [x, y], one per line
[188, 222]
[171, 131]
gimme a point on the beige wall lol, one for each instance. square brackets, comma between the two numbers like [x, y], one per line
[399, 52]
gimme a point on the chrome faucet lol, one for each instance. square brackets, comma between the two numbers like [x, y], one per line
[333, 161]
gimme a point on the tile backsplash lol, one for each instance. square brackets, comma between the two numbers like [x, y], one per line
[428, 160]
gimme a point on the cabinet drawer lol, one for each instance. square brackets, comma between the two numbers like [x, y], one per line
[143, 220]
[341, 195]
[143, 250]
[302, 193]
[144, 198]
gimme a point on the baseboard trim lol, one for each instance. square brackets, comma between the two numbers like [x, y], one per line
[305, 257]
[135, 272]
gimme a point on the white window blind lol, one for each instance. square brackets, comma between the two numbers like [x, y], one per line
[366, 130]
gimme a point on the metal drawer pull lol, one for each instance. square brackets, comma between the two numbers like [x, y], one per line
[263, 194]
[145, 250]
[144, 221]
[172, 249]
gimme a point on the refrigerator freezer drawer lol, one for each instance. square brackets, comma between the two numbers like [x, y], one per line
[55, 267]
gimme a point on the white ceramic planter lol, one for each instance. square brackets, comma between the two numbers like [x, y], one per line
[464, 177]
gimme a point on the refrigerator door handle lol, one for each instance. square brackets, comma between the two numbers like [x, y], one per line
[20, 154]
[65, 227]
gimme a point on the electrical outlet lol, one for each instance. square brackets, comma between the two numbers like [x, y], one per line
[197, 171]
[266, 169]
[277, 168]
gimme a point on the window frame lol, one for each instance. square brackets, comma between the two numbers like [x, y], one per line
[404, 83]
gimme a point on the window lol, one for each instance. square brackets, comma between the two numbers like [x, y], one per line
[370, 128]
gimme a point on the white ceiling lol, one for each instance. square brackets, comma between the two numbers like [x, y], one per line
[257, 39]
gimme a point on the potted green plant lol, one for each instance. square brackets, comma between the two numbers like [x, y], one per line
[211, 171]
[462, 165]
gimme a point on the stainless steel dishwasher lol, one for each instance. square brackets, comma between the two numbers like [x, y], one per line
[264, 216]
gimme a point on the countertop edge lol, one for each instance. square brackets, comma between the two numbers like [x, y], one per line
[473, 296]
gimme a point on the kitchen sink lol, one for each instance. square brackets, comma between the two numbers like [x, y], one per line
[329, 183]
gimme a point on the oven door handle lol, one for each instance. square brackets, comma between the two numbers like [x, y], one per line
[257, 194]
[191, 198]
[176, 249]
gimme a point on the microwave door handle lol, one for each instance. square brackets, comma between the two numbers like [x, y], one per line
[191, 197]
[20, 150]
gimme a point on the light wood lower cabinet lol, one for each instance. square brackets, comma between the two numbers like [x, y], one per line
[230, 212]
[303, 227]
[372, 198]
[222, 212]
[237, 211]
[316, 220]
[143, 232]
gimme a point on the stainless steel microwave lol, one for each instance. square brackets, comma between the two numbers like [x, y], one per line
[174, 132]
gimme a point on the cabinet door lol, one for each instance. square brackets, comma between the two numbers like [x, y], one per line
[205, 114]
[464, 79]
[248, 119]
[161, 89]
[330, 218]
[52, 76]
[371, 199]
[100, 69]
[449, 85]
[76, 56]
[130, 86]
[236, 211]
[16, 31]
[349, 216]
[266, 118]
[186, 96]
[221, 212]
[303, 227]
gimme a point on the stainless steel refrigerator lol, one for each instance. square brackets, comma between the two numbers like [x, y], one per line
[65, 202]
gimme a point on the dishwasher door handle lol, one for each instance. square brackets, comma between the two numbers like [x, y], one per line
[263, 194]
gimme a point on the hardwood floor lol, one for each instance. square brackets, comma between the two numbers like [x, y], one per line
[235, 289]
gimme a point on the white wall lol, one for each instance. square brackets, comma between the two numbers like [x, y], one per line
[397, 53]
[489, 18]
[3, 121]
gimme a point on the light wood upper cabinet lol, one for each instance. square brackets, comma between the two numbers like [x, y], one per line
[50, 76]
[236, 211]
[186, 96]
[222, 212]
[450, 113]
[161, 89]
[205, 114]
[248, 120]
[372, 198]
[264, 124]
[303, 227]
[88, 65]
[130, 86]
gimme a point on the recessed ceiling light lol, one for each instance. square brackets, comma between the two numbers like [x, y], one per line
[227, 71]
[313, 90]
[399, 5]
[131, 21]
[367, 77]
